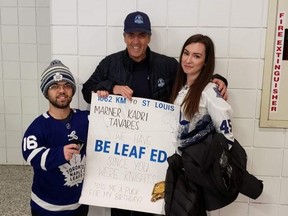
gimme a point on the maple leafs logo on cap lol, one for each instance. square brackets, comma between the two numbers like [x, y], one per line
[58, 77]
[138, 19]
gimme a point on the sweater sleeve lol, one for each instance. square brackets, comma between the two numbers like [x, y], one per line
[37, 154]
[219, 110]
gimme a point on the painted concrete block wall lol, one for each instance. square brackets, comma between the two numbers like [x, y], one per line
[85, 31]
[24, 52]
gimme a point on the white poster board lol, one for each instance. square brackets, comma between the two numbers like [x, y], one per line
[127, 150]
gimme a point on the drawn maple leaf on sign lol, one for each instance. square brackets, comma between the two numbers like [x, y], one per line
[74, 170]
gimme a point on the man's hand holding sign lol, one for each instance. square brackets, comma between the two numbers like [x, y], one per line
[128, 145]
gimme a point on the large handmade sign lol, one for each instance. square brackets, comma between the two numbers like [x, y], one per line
[274, 106]
[127, 150]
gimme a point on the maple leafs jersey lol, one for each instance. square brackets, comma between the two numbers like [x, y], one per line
[214, 114]
[57, 183]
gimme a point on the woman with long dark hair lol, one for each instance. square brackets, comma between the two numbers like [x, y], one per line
[203, 112]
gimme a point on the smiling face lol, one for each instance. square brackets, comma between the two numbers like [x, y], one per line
[193, 60]
[60, 95]
[137, 43]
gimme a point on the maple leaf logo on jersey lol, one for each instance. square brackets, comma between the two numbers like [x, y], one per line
[74, 170]
[218, 93]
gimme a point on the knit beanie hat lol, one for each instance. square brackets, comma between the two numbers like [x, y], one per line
[56, 72]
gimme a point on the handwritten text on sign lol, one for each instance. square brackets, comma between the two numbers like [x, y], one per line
[127, 150]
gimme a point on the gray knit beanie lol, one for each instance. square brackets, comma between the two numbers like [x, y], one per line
[56, 72]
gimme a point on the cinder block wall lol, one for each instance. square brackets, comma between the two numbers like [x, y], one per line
[24, 52]
[84, 31]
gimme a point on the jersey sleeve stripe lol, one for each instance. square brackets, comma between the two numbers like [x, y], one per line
[43, 159]
[33, 154]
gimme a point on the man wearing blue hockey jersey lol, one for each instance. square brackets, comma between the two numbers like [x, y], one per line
[53, 145]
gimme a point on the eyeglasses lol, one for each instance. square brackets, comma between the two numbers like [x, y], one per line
[56, 87]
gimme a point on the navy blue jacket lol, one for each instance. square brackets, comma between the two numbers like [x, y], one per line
[117, 69]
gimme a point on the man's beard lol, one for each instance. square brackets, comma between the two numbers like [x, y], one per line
[60, 105]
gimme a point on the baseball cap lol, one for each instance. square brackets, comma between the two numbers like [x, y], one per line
[137, 22]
